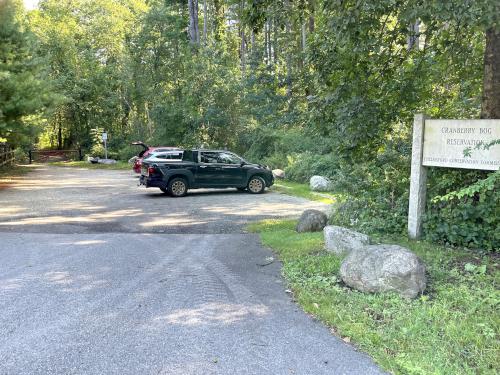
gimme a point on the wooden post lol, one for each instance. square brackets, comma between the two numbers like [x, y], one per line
[418, 181]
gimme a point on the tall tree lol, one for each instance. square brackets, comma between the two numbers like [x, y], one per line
[491, 81]
[194, 32]
[24, 93]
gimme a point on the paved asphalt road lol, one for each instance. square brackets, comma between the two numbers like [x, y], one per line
[98, 276]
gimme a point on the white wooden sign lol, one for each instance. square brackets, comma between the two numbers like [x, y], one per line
[442, 143]
[446, 140]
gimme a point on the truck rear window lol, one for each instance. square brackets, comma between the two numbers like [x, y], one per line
[190, 156]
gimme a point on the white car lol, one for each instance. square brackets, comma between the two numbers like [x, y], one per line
[162, 156]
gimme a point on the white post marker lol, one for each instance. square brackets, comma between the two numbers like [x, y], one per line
[442, 143]
[105, 139]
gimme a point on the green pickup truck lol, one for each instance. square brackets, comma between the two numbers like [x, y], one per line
[205, 169]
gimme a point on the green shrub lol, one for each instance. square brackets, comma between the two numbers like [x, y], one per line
[376, 191]
[468, 217]
[303, 166]
[126, 151]
[21, 156]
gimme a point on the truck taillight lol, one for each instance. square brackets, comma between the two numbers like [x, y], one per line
[151, 170]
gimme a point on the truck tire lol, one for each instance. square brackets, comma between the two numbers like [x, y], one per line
[256, 185]
[177, 187]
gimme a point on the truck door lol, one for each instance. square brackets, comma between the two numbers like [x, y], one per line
[208, 171]
[232, 172]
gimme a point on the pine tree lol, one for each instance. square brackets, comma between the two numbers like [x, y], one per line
[23, 94]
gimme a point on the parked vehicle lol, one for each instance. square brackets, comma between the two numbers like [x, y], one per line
[147, 150]
[205, 169]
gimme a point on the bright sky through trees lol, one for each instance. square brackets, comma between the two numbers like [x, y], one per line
[30, 4]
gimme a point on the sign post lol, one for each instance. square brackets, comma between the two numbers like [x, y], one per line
[105, 140]
[442, 143]
[418, 179]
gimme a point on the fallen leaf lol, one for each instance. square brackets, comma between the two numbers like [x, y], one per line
[316, 305]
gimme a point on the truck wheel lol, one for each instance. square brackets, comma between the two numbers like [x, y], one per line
[177, 187]
[256, 185]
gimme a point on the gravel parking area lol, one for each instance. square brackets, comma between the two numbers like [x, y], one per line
[68, 200]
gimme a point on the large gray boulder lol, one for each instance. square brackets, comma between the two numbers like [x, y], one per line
[106, 161]
[279, 173]
[384, 268]
[320, 183]
[341, 240]
[311, 221]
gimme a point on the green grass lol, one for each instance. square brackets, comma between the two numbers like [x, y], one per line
[121, 165]
[452, 329]
[302, 190]
[13, 171]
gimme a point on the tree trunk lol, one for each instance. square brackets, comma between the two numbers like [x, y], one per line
[266, 43]
[288, 29]
[252, 42]
[243, 52]
[196, 23]
[413, 38]
[491, 81]
[194, 34]
[205, 22]
[304, 36]
[274, 45]
[243, 43]
[59, 136]
[311, 16]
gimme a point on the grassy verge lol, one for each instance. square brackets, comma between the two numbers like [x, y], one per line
[452, 329]
[11, 173]
[14, 171]
[121, 165]
[302, 190]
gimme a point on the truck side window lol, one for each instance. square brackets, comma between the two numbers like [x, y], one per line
[228, 158]
[208, 157]
[189, 156]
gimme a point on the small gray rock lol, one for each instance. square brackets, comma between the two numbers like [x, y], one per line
[383, 268]
[341, 240]
[311, 221]
[279, 173]
[320, 183]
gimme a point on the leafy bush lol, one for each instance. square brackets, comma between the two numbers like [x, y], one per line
[468, 217]
[376, 191]
[21, 156]
[126, 152]
[303, 166]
